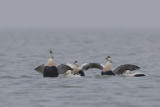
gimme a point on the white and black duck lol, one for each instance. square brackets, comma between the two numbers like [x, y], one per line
[50, 70]
[107, 69]
[75, 68]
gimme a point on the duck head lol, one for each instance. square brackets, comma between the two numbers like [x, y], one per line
[76, 63]
[51, 54]
[108, 58]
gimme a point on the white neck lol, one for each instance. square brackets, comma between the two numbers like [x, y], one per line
[51, 56]
[107, 67]
[108, 62]
[50, 62]
[75, 68]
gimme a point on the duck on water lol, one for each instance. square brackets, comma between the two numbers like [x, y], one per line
[120, 70]
[50, 70]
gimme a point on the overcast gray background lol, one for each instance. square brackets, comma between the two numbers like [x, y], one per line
[79, 13]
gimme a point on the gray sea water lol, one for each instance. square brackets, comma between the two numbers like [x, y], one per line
[21, 50]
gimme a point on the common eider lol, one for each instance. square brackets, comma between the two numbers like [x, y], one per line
[50, 70]
[107, 69]
[70, 74]
[80, 69]
[127, 73]
[63, 68]
[76, 68]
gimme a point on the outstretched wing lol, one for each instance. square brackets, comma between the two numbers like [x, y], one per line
[87, 66]
[40, 68]
[122, 68]
[68, 64]
[63, 68]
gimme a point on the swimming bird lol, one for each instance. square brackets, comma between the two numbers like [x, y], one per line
[76, 68]
[70, 74]
[50, 70]
[63, 68]
[127, 73]
[107, 69]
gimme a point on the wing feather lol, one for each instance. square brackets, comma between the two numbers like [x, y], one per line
[87, 66]
[40, 68]
[122, 68]
[63, 68]
[68, 64]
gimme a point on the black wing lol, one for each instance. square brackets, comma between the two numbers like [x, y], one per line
[40, 68]
[63, 68]
[91, 65]
[122, 68]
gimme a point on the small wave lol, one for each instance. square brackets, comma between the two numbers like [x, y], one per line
[98, 76]
[69, 86]
[13, 77]
[9, 77]
[26, 76]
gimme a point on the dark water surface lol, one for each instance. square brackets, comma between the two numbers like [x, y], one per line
[23, 50]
